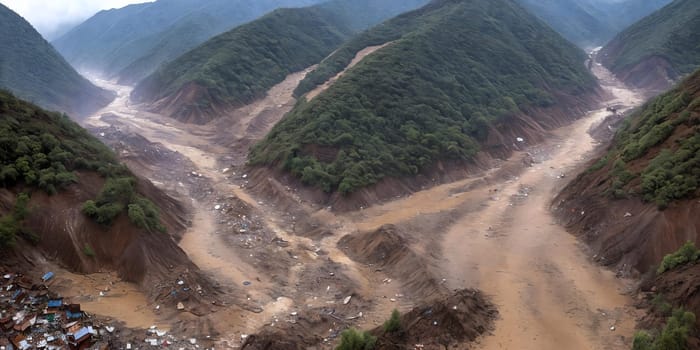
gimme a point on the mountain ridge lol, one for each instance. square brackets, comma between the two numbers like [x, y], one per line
[659, 49]
[591, 23]
[131, 42]
[32, 69]
[239, 66]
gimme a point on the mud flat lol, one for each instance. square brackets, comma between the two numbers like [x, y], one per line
[548, 291]
[493, 231]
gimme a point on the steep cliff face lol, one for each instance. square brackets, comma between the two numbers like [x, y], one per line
[50, 168]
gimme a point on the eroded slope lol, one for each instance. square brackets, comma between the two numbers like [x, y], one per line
[639, 202]
[50, 168]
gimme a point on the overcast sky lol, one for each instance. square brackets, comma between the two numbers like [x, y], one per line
[53, 17]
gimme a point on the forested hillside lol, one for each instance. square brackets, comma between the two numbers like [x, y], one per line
[656, 51]
[591, 23]
[131, 42]
[239, 66]
[454, 69]
[33, 70]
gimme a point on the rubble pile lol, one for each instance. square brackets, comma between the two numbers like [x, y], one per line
[33, 317]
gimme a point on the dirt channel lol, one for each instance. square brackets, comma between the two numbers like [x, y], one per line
[493, 232]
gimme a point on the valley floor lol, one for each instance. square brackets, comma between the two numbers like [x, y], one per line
[493, 232]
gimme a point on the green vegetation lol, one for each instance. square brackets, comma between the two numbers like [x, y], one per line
[458, 68]
[88, 251]
[44, 150]
[662, 140]
[686, 254]
[11, 224]
[671, 33]
[34, 71]
[590, 23]
[381, 34]
[673, 175]
[393, 324]
[117, 195]
[673, 337]
[661, 306]
[352, 339]
[131, 42]
[240, 66]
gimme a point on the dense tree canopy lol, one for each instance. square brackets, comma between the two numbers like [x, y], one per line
[453, 67]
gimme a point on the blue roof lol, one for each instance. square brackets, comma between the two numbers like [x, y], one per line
[81, 333]
[47, 276]
[55, 303]
[72, 315]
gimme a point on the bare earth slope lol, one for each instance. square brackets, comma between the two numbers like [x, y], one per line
[629, 210]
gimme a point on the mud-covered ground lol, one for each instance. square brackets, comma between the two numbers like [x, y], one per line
[288, 267]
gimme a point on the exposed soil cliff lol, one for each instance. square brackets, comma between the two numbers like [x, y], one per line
[66, 236]
[639, 200]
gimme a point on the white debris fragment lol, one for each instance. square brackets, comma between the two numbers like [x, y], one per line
[180, 306]
[347, 299]
[520, 139]
[628, 215]
[217, 207]
[193, 341]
